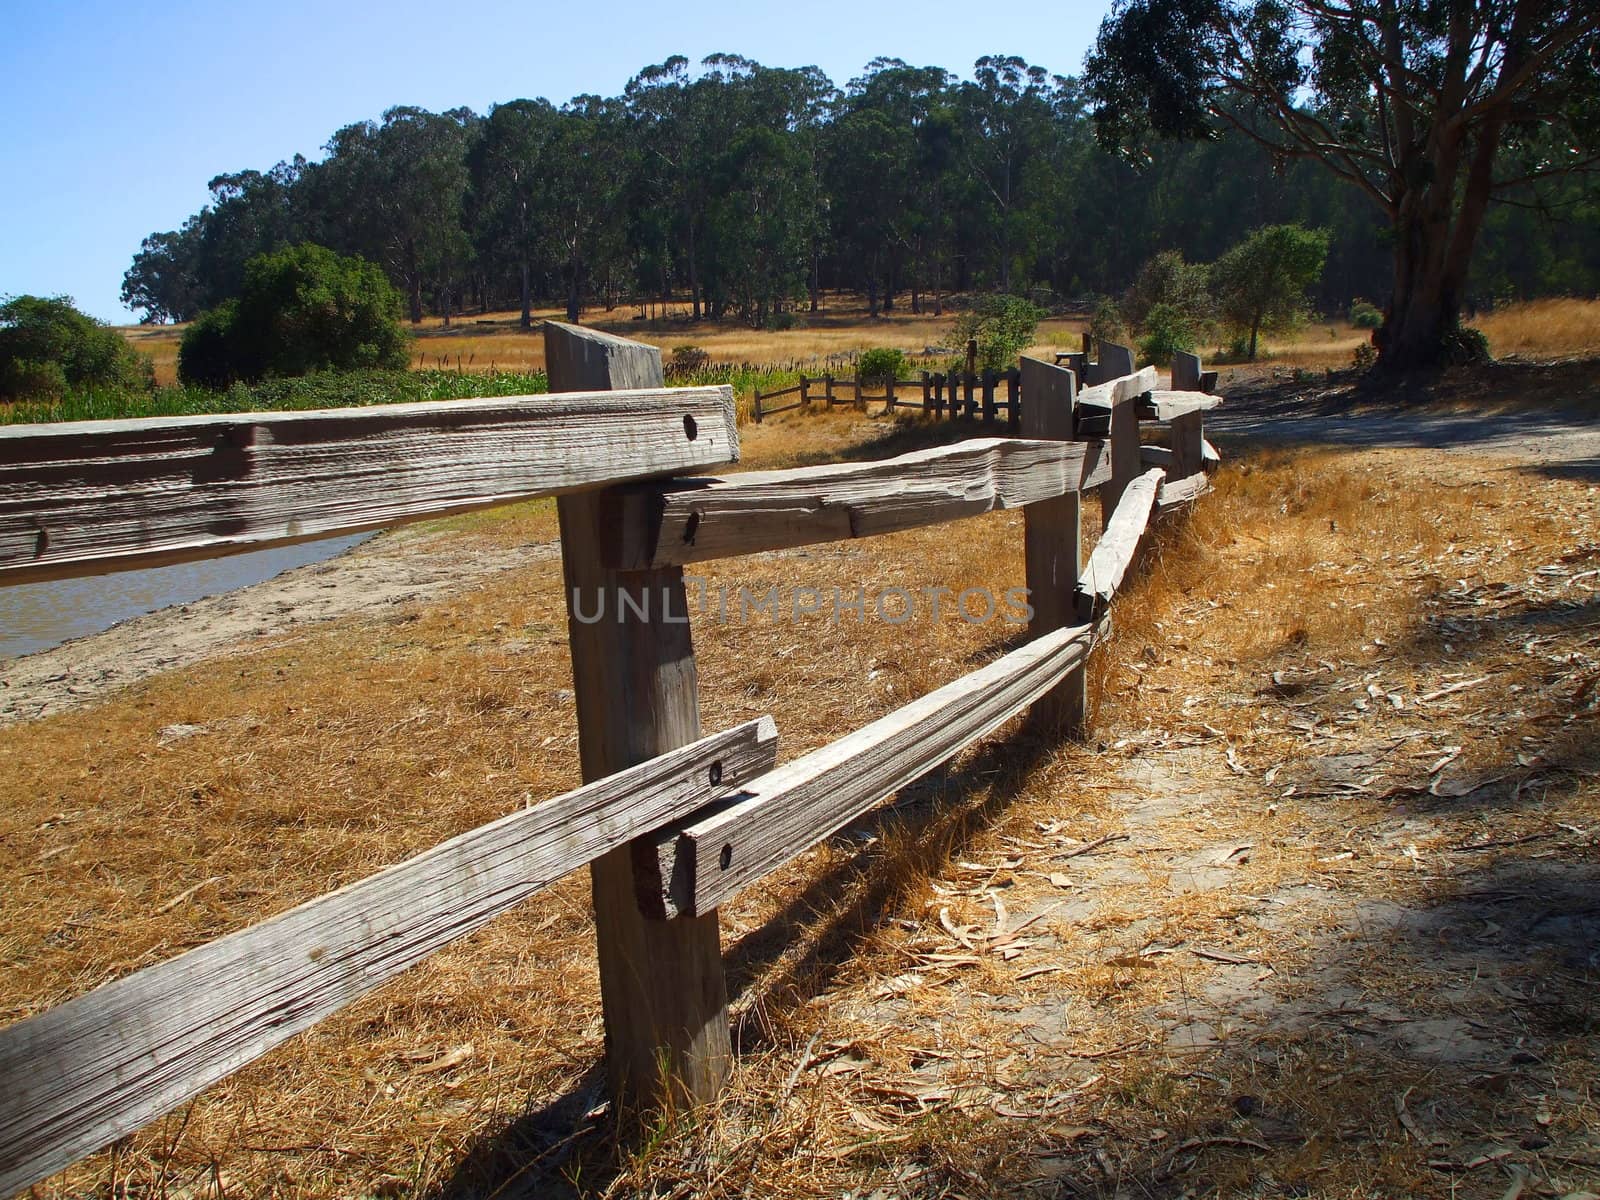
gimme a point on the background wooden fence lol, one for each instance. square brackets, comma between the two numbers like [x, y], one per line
[670, 822]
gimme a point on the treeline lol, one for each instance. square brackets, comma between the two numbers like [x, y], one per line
[745, 191]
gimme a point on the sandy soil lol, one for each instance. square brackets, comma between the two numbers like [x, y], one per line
[371, 582]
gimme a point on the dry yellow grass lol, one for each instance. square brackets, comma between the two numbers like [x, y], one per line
[1543, 327]
[336, 752]
[480, 342]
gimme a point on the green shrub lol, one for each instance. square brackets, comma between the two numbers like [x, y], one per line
[1465, 346]
[1365, 356]
[1167, 330]
[686, 360]
[30, 379]
[300, 310]
[209, 355]
[881, 363]
[1365, 315]
[1167, 280]
[1003, 327]
[1107, 325]
[47, 343]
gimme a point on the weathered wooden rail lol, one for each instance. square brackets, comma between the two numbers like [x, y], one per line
[670, 822]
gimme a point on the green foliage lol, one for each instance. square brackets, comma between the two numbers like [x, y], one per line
[1366, 354]
[685, 361]
[1465, 346]
[1107, 325]
[1364, 314]
[1385, 103]
[348, 389]
[1003, 327]
[882, 362]
[1167, 330]
[302, 309]
[47, 345]
[28, 378]
[1167, 279]
[1260, 285]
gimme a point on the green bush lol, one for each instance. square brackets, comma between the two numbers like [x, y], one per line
[881, 363]
[30, 379]
[1366, 354]
[1167, 280]
[46, 343]
[1003, 327]
[1167, 330]
[1107, 325]
[1365, 315]
[1465, 346]
[300, 310]
[686, 360]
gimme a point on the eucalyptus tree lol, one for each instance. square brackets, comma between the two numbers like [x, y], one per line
[1430, 108]
[586, 171]
[393, 193]
[1006, 114]
[510, 196]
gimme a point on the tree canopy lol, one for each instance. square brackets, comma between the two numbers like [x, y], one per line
[744, 191]
[299, 310]
[1433, 109]
[46, 344]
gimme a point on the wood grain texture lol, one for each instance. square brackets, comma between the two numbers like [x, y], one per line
[1186, 372]
[1052, 545]
[1188, 443]
[1165, 406]
[1114, 361]
[697, 520]
[635, 687]
[1156, 456]
[1122, 435]
[80, 1075]
[1180, 491]
[1118, 546]
[88, 497]
[792, 808]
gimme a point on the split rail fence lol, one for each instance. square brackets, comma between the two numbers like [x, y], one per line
[670, 821]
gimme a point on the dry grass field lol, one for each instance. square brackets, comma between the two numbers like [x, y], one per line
[830, 339]
[1307, 917]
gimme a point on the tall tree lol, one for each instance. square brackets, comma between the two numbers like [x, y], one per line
[1429, 107]
[393, 193]
[509, 193]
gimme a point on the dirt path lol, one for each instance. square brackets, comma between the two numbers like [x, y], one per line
[371, 581]
[1554, 427]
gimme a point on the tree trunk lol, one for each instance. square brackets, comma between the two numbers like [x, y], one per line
[1255, 330]
[574, 309]
[416, 299]
[1425, 308]
[1434, 238]
[527, 297]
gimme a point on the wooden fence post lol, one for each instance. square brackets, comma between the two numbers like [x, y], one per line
[634, 682]
[805, 394]
[1123, 436]
[969, 384]
[927, 397]
[827, 384]
[888, 394]
[989, 378]
[1052, 544]
[1014, 400]
[755, 410]
[1188, 431]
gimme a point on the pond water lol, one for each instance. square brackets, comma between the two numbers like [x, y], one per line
[37, 616]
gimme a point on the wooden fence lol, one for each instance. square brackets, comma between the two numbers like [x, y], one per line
[670, 822]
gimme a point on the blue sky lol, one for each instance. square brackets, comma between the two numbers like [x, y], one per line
[116, 115]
